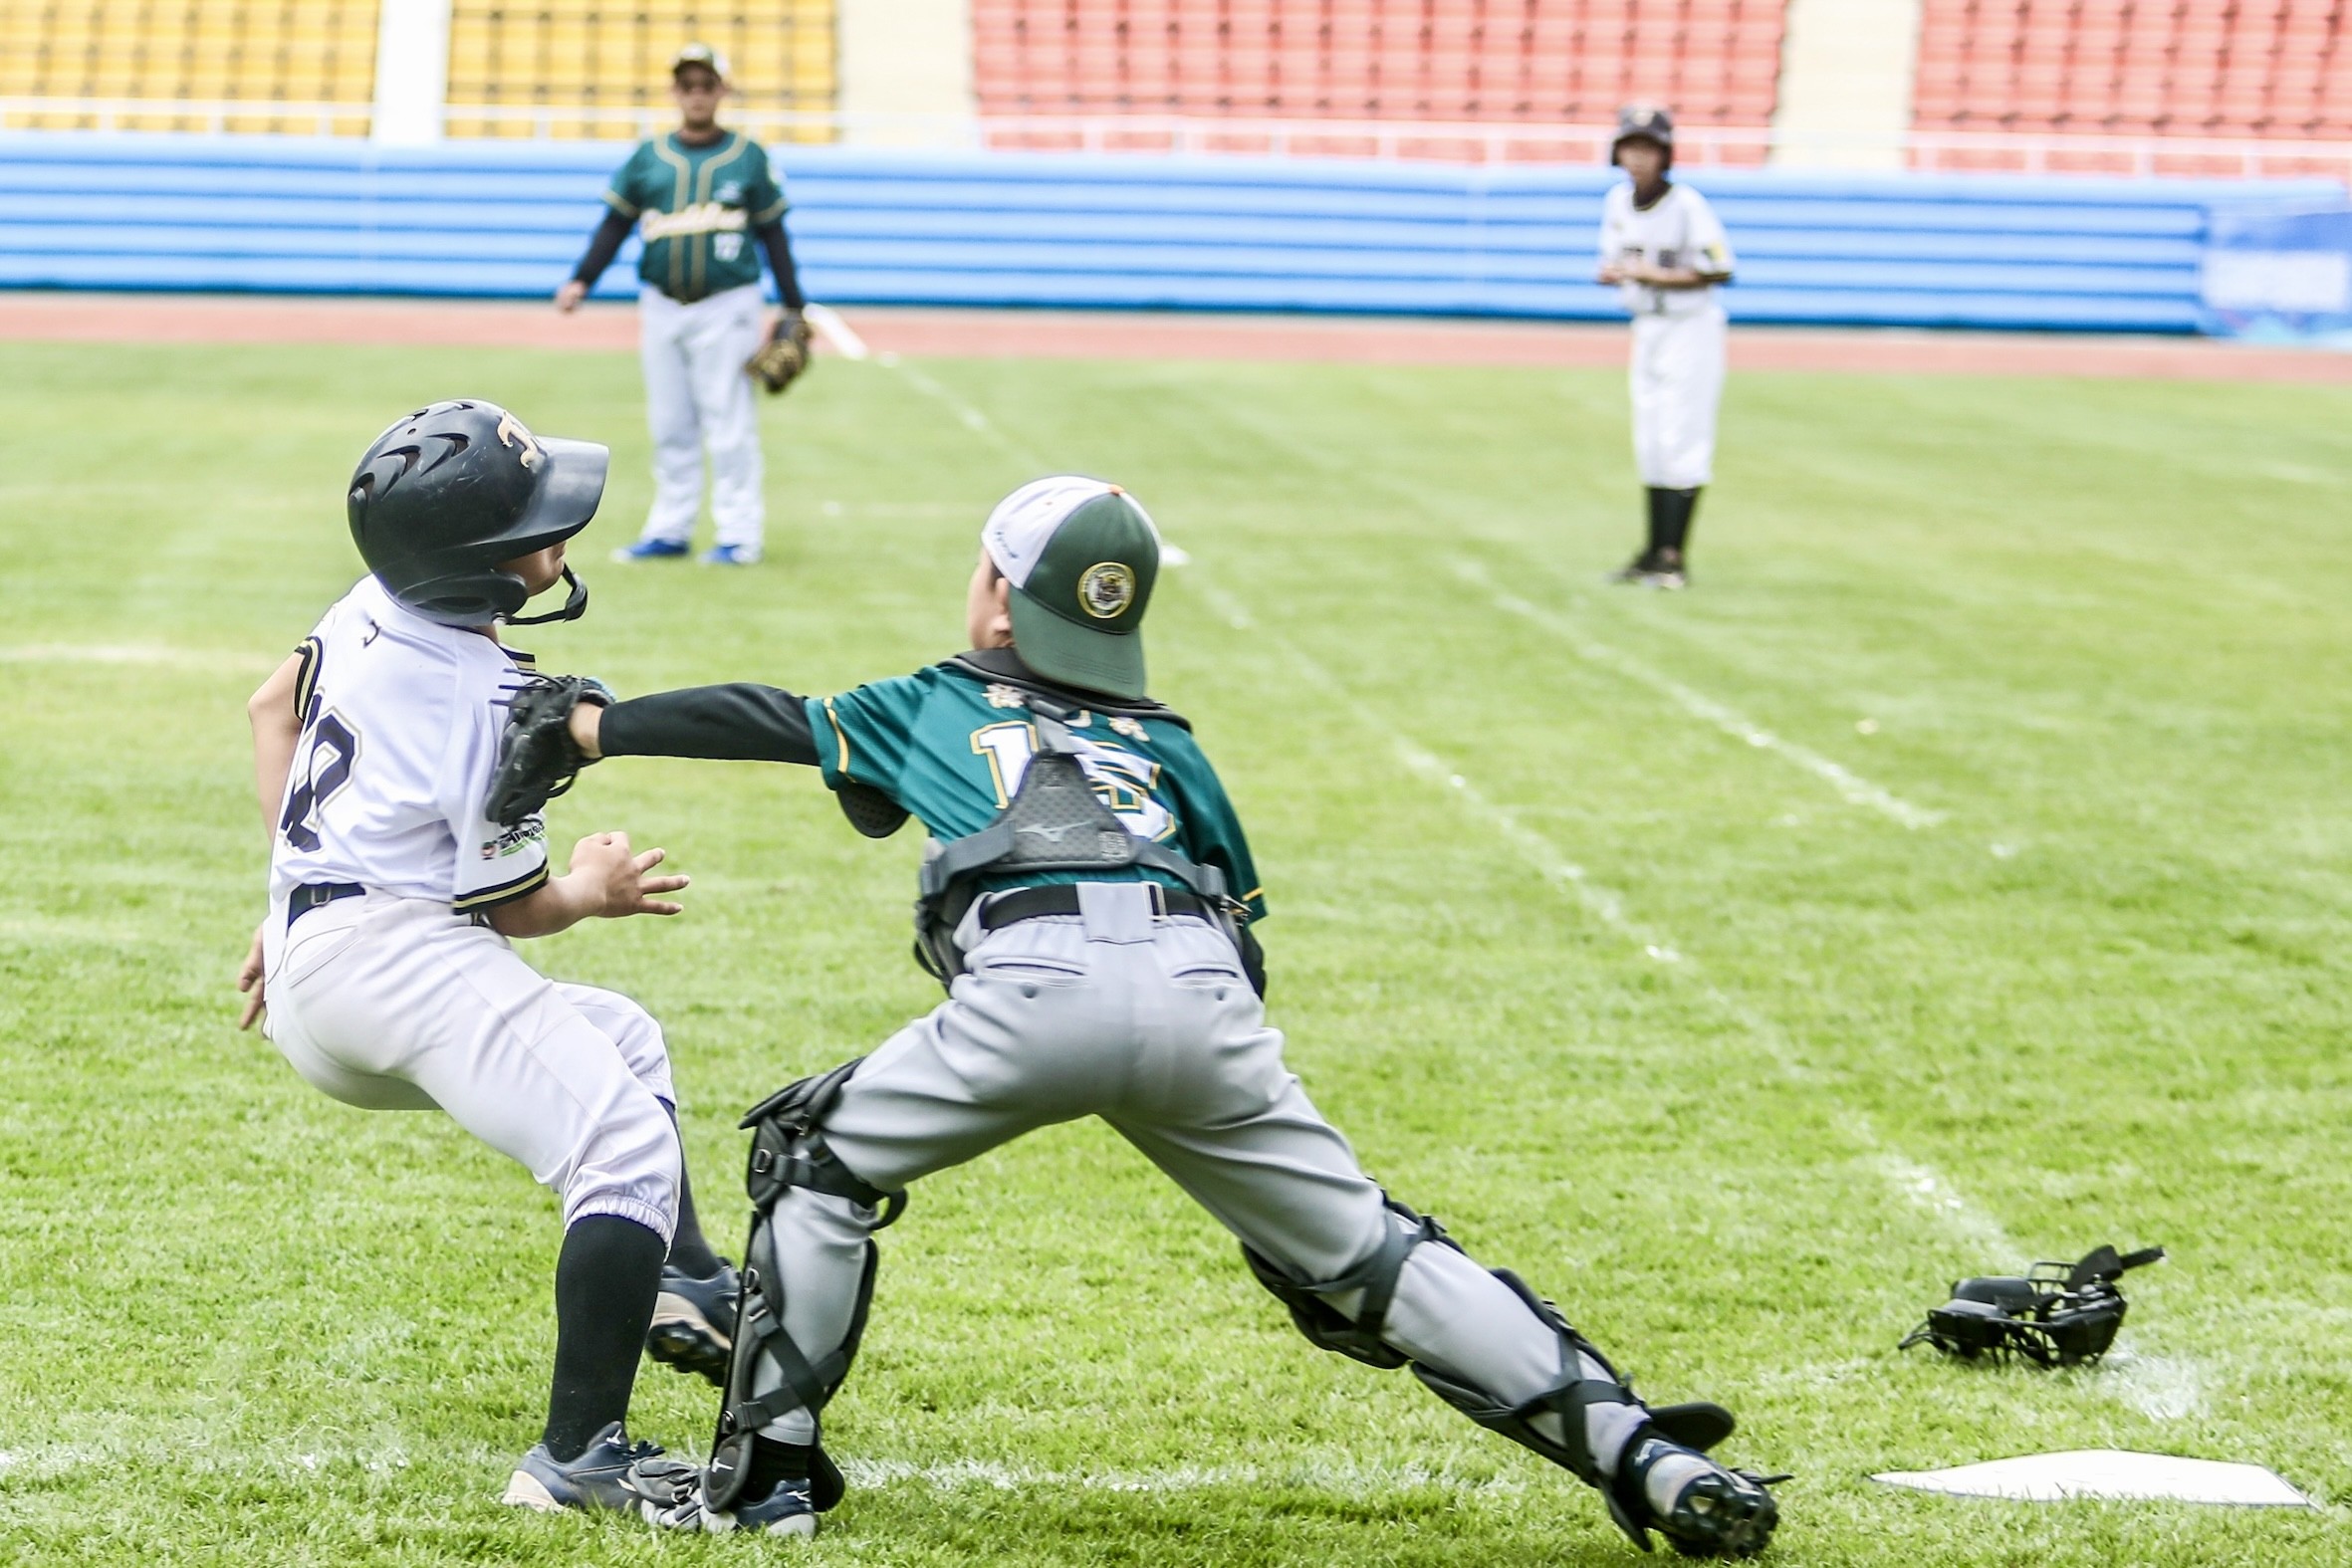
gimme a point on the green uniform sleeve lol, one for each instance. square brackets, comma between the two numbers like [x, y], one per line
[864, 736]
[763, 195]
[625, 194]
[1210, 832]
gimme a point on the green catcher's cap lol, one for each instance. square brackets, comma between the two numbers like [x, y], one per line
[1081, 557]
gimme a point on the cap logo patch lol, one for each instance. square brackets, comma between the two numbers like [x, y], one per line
[511, 433]
[1107, 588]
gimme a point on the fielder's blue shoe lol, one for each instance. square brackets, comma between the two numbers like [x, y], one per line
[651, 550]
[730, 555]
[694, 1321]
[611, 1474]
[787, 1510]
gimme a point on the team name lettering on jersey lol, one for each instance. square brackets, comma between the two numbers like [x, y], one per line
[708, 217]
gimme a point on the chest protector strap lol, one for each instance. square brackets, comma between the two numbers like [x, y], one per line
[1054, 823]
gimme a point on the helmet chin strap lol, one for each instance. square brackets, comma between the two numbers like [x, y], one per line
[573, 608]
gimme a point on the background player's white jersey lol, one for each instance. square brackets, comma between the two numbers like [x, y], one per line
[1678, 230]
[400, 718]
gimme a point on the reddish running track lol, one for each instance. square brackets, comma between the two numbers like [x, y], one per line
[1106, 335]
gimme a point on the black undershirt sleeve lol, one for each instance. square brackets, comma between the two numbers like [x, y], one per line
[603, 245]
[779, 246]
[740, 722]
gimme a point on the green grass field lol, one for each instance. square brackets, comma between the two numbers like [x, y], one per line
[1578, 932]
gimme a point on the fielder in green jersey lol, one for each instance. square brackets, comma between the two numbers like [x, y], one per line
[708, 208]
[1101, 963]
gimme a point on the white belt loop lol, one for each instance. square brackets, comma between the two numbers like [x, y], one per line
[1117, 911]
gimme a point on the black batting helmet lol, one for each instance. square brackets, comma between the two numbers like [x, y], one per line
[451, 490]
[1648, 124]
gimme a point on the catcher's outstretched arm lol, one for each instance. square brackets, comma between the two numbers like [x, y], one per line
[741, 722]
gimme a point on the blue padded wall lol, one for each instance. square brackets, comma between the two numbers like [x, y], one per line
[145, 211]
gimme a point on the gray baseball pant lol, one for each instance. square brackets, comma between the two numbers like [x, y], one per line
[1149, 1024]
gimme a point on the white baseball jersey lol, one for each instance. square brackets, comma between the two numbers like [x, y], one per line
[400, 718]
[1679, 229]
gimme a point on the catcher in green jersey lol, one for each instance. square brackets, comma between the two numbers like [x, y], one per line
[1087, 897]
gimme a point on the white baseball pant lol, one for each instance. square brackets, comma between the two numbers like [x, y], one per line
[402, 1004]
[698, 397]
[1678, 372]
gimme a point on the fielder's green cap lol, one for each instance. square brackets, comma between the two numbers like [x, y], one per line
[1081, 557]
[700, 55]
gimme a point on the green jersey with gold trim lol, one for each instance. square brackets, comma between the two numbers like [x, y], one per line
[952, 746]
[696, 208]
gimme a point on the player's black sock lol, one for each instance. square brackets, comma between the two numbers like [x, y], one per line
[1681, 507]
[1660, 521]
[773, 1462]
[605, 1279]
[689, 1248]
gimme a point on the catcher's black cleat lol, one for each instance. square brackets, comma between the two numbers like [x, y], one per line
[1714, 1512]
[1636, 570]
[693, 1325]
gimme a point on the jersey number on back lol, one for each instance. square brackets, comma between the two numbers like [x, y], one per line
[1122, 779]
[322, 761]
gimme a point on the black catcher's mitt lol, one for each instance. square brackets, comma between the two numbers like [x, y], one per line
[537, 759]
[784, 356]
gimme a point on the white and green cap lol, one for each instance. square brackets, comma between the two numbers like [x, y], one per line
[1081, 557]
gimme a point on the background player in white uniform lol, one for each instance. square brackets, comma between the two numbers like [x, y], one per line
[389, 979]
[1660, 245]
[710, 206]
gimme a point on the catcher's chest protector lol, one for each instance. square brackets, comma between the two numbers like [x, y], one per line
[1054, 823]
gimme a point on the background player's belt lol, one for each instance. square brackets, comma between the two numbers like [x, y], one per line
[1062, 897]
[311, 895]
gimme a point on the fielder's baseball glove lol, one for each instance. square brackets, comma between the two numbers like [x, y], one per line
[784, 356]
[537, 759]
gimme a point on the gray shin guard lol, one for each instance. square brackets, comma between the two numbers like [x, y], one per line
[1324, 1325]
[1696, 1425]
[788, 1151]
[1700, 1426]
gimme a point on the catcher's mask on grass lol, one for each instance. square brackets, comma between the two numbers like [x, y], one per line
[1081, 557]
[452, 489]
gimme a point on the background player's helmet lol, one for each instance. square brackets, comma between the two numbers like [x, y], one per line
[450, 490]
[1650, 124]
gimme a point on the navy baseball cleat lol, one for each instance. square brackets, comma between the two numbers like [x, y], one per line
[731, 555]
[651, 550]
[694, 1321]
[611, 1474]
[789, 1509]
[1712, 1511]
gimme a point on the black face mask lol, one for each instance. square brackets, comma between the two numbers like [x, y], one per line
[574, 606]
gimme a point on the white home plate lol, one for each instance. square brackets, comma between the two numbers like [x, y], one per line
[2111, 1473]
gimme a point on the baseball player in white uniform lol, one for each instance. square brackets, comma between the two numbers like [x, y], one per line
[1660, 245]
[385, 959]
[709, 205]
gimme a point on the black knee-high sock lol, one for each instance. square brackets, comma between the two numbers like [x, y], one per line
[1682, 506]
[689, 1248]
[1661, 510]
[606, 1281]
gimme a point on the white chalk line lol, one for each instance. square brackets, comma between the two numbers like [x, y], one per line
[2161, 1386]
[1856, 789]
[839, 335]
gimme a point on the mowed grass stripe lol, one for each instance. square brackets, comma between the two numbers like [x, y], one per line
[2098, 1035]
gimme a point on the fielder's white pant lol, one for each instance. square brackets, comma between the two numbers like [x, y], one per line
[1678, 368]
[698, 395]
[402, 1004]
